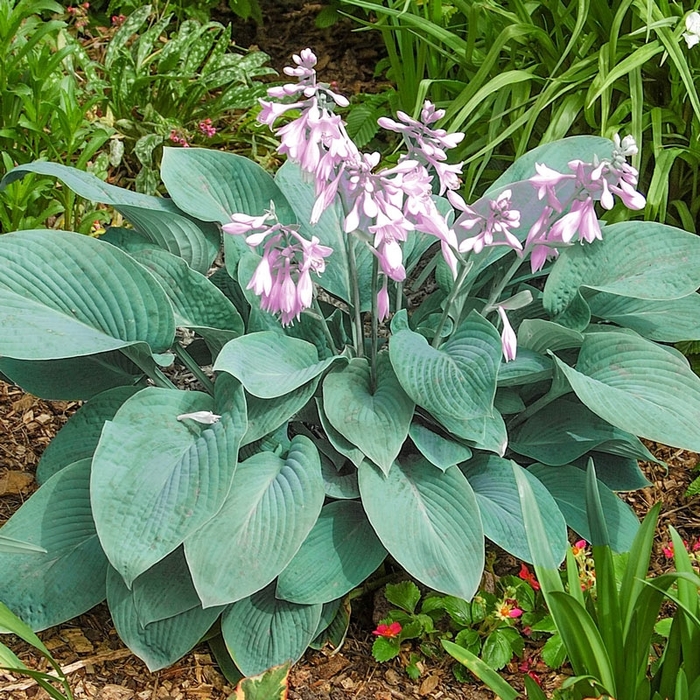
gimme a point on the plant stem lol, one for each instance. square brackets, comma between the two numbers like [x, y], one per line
[498, 289]
[193, 367]
[456, 288]
[375, 327]
[324, 324]
[358, 331]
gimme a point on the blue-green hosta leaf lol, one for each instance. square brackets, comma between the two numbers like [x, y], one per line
[528, 367]
[339, 553]
[617, 472]
[338, 442]
[441, 451]
[540, 335]
[638, 387]
[66, 295]
[556, 155]
[272, 506]
[266, 415]
[270, 364]
[567, 485]
[428, 521]
[171, 475]
[641, 259]
[160, 643]
[212, 185]
[14, 546]
[376, 420]
[165, 590]
[340, 483]
[69, 579]
[485, 433]
[459, 379]
[197, 303]
[668, 320]
[261, 631]
[496, 493]
[78, 438]
[563, 431]
[155, 218]
[335, 279]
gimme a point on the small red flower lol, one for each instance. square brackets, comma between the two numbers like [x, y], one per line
[668, 551]
[392, 630]
[527, 576]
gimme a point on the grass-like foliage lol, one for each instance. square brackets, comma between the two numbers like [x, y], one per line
[379, 365]
[515, 75]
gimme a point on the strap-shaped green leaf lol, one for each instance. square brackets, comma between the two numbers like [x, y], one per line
[45, 589]
[272, 506]
[429, 522]
[66, 295]
[262, 631]
[375, 420]
[612, 378]
[171, 475]
[459, 379]
[339, 553]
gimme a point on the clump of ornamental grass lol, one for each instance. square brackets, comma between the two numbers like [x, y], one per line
[248, 511]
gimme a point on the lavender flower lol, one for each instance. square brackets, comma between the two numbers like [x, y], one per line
[509, 341]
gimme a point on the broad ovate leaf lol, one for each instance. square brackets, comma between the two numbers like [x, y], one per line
[270, 364]
[160, 643]
[429, 522]
[45, 589]
[65, 295]
[496, 492]
[456, 380]
[272, 506]
[374, 419]
[261, 631]
[339, 553]
[613, 378]
[156, 478]
[640, 259]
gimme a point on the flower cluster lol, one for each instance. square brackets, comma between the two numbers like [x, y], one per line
[178, 138]
[206, 128]
[586, 565]
[282, 279]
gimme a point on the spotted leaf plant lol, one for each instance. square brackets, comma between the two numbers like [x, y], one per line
[366, 366]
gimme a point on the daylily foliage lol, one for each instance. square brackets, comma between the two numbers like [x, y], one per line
[342, 413]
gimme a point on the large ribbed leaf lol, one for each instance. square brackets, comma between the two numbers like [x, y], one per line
[565, 430]
[441, 451]
[161, 643]
[212, 185]
[155, 218]
[641, 259]
[639, 387]
[300, 191]
[69, 579]
[459, 379]
[376, 421]
[270, 364]
[66, 295]
[496, 493]
[78, 438]
[668, 320]
[429, 522]
[266, 415]
[271, 509]
[567, 485]
[72, 378]
[340, 552]
[262, 631]
[156, 479]
[197, 303]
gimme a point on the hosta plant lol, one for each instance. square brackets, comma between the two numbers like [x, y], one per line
[373, 357]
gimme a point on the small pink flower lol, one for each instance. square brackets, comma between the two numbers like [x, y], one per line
[507, 610]
[668, 551]
[509, 341]
[526, 575]
[389, 631]
[579, 547]
[383, 302]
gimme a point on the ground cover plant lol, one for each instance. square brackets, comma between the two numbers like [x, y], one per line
[516, 75]
[341, 418]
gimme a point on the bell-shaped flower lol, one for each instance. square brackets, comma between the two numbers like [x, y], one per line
[509, 341]
[692, 25]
